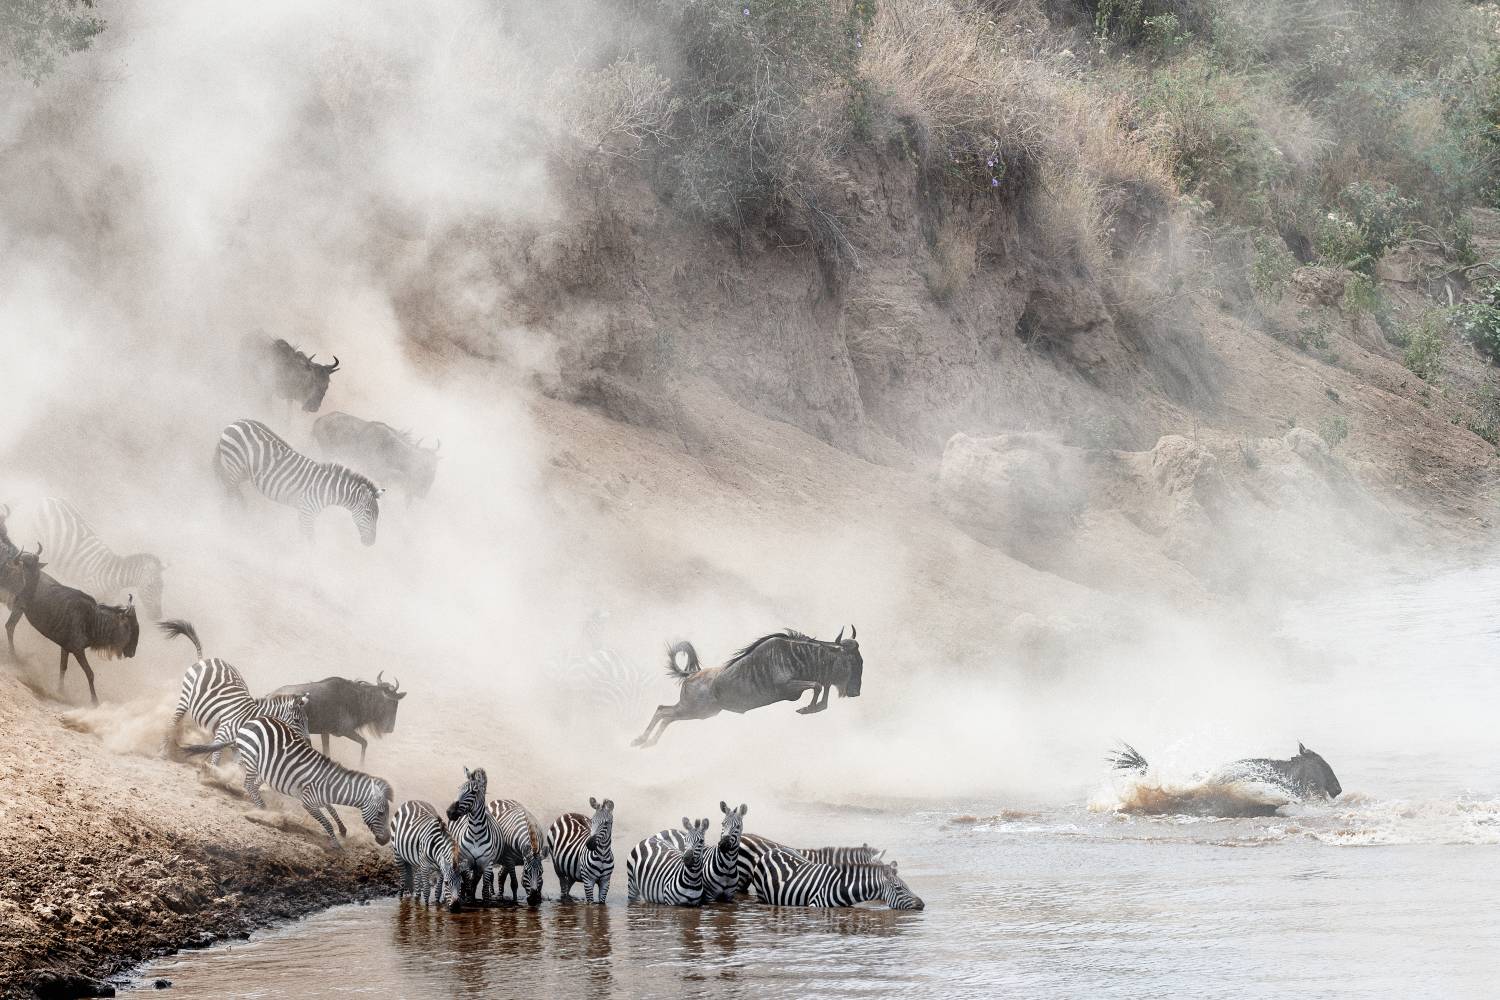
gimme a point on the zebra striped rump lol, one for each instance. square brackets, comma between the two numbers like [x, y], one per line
[424, 848]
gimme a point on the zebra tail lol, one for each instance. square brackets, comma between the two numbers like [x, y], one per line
[197, 749]
[1128, 759]
[174, 627]
[682, 673]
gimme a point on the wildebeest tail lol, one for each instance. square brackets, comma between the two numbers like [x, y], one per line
[682, 673]
[194, 749]
[1128, 759]
[174, 627]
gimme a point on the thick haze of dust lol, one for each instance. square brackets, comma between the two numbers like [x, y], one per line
[210, 170]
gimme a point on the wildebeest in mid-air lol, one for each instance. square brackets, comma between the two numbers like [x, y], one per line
[378, 450]
[285, 373]
[340, 707]
[1306, 776]
[77, 623]
[777, 667]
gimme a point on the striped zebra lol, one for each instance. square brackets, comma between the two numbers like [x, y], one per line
[475, 831]
[273, 753]
[582, 850]
[658, 871]
[752, 848]
[786, 878]
[720, 865]
[862, 855]
[521, 843]
[217, 698]
[78, 556]
[423, 848]
[602, 684]
[248, 449]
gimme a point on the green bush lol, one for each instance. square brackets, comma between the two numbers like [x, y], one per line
[1368, 222]
[1272, 267]
[34, 33]
[1486, 422]
[1334, 430]
[1478, 322]
[1424, 345]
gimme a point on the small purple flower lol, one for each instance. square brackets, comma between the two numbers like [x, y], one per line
[990, 163]
[747, 11]
[994, 182]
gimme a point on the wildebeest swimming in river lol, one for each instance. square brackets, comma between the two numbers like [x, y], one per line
[378, 450]
[340, 707]
[777, 667]
[1305, 776]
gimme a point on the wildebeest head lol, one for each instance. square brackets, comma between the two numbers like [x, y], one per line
[897, 894]
[601, 824]
[22, 570]
[732, 827]
[1313, 772]
[300, 377]
[376, 810]
[116, 630]
[692, 851]
[847, 657]
[470, 795]
[387, 699]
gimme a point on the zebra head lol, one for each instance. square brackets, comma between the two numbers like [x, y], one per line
[897, 894]
[692, 851]
[470, 799]
[732, 827]
[376, 809]
[366, 510]
[531, 874]
[601, 824]
[846, 657]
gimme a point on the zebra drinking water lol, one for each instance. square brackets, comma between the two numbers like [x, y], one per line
[477, 835]
[248, 449]
[658, 871]
[80, 557]
[217, 698]
[521, 843]
[582, 850]
[786, 878]
[274, 753]
[423, 847]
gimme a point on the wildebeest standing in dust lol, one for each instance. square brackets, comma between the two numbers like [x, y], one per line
[340, 707]
[777, 667]
[284, 372]
[77, 623]
[379, 451]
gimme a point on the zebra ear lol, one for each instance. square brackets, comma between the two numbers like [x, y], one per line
[609, 805]
[467, 775]
[593, 802]
[688, 824]
[744, 808]
[723, 807]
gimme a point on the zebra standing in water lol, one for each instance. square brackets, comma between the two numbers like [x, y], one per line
[273, 753]
[658, 871]
[786, 878]
[478, 837]
[582, 850]
[720, 865]
[78, 556]
[217, 698]
[521, 843]
[248, 449]
[424, 846]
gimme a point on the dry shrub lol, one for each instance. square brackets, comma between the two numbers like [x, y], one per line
[617, 109]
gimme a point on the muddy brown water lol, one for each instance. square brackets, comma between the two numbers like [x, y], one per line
[1391, 891]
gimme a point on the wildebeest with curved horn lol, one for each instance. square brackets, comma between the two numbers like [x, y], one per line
[76, 622]
[1305, 776]
[287, 373]
[340, 707]
[19, 570]
[379, 451]
[777, 667]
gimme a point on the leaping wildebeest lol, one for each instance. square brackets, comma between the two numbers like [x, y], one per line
[340, 707]
[288, 374]
[777, 667]
[1305, 776]
[378, 450]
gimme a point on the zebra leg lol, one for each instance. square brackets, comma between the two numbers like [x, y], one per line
[305, 518]
[317, 813]
[88, 671]
[340, 823]
[252, 789]
[565, 887]
[325, 743]
[603, 886]
[406, 879]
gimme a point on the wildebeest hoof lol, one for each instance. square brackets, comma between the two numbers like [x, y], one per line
[810, 709]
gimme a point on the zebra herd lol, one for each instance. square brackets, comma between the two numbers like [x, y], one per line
[469, 861]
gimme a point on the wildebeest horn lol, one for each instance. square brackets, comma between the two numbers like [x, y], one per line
[395, 683]
[39, 550]
[333, 367]
[437, 447]
[840, 636]
[853, 632]
[377, 679]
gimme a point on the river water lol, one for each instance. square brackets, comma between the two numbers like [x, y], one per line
[1391, 891]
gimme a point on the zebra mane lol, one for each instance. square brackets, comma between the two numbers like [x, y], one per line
[786, 633]
[360, 479]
